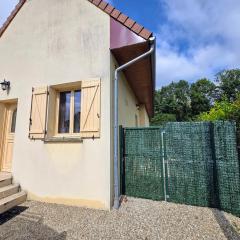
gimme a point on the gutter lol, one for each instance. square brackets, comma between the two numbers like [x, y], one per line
[153, 60]
[151, 52]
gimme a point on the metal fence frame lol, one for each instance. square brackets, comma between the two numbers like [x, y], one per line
[194, 163]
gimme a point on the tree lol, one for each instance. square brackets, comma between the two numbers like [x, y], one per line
[223, 110]
[202, 95]
[181, 101]
[162, 118]
[174, 99]
[228, 84]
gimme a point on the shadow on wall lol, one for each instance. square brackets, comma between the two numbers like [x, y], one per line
[227, 228]
[18, 225]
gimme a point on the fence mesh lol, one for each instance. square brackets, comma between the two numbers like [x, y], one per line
[190, 163]
[200, 162]
[227, 167]
[143, 168]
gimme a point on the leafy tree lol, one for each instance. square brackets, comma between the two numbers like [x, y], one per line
[174, 99]
[202, 95]
[202, 100]
[223, 110]
[228, 84]
[162, 118]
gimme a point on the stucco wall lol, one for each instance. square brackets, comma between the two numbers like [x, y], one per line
[128, 111]
[131, 114]
[53, 42]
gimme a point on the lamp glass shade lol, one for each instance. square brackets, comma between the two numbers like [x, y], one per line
[4, 86]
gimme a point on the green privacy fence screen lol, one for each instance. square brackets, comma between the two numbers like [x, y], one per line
[189, 163]
[143, 173]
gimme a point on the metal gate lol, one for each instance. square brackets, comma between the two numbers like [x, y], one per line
[142, 165]
[189, 163]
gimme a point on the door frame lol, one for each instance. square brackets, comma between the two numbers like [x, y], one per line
[4, 104]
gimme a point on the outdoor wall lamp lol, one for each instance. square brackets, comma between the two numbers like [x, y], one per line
[5, 85]
[138, 106]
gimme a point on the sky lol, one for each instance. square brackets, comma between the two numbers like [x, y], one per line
[195, 38]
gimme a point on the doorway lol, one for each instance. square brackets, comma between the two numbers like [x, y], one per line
[8, 135]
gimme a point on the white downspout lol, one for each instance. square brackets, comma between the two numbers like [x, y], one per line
[116, 127]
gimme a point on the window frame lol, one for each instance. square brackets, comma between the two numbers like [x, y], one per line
[71, 123]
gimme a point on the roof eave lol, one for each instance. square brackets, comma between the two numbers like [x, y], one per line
[11, 16]
[153, 63]
[123, 19]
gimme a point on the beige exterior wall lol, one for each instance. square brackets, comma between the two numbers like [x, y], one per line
[131, 114]
[143, 117]
[48, 43]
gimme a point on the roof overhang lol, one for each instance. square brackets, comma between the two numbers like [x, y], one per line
[128, 41]
[141, 75]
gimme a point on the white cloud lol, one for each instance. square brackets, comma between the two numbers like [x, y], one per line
[199, 38]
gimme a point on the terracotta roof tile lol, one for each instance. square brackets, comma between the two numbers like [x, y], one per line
[129, 23]
[137, 28]
[96, 2]
[109, 9]
[145, 33]
[115, 13]
[122, 18]
[11, 17]
[101, 4]
[125, 20]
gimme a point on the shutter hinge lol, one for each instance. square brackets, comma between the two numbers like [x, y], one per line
[30, 120]
[32, 89]
[93, 137]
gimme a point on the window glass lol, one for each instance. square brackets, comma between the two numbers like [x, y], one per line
[64, 112]
[13, 125]
[77, 111]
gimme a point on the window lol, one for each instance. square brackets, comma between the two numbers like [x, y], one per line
[69, 112]
[13, 124]
[77, 111]
[66, 112]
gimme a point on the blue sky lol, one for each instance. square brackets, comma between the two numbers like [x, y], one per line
[196, 38]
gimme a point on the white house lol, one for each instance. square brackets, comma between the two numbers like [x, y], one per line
[57, 65]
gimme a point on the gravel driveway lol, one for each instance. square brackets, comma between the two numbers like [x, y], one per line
[136, 219]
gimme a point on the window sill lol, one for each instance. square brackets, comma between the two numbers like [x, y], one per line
[63, 140]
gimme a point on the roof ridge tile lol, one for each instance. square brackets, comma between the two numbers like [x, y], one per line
[122, 18]
[11, 16]
[101, 4]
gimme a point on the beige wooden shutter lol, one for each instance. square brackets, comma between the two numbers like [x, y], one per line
[37, 128]
[90, 109]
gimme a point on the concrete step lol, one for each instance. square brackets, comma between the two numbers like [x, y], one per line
[9, 190]
[12, 201]
[5, 179]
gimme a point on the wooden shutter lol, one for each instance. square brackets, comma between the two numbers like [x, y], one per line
[37, 128]
[90, 109]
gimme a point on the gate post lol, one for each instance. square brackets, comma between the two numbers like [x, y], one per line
[122, 159]
[215, 184]
[164, 165]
